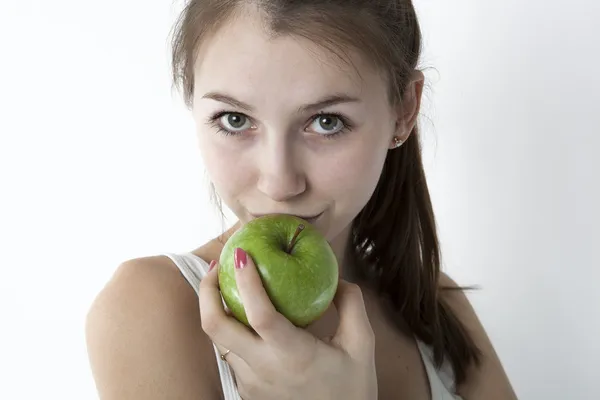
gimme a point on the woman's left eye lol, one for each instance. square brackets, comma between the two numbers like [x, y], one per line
[328, 124]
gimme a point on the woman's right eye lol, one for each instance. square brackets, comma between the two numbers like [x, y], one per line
[234, 122]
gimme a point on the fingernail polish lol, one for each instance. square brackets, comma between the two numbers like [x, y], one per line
[240, 258]
[212, 265]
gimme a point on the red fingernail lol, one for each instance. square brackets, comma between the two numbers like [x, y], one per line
[212, 265]
[240, 258]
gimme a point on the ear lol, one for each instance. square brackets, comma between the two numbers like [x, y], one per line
[408, 109]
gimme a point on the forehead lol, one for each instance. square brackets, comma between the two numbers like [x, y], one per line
[243, 57]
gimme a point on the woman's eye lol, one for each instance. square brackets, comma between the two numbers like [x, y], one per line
[235, 122]
[327, 124]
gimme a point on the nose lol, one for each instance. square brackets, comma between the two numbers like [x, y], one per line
[281, 178]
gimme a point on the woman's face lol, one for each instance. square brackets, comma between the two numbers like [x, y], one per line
[283, 127]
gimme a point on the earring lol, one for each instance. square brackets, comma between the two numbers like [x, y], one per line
[398, 142]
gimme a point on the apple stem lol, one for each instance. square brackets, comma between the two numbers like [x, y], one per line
[295, 238]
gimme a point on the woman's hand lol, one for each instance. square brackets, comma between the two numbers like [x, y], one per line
[283, 362]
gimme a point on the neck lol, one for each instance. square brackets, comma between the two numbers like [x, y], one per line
[340, 246]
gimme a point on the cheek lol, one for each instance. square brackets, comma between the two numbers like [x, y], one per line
[222, 163]
[352, 176]
[349, 182]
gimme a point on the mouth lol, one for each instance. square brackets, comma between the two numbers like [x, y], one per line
[309, 218]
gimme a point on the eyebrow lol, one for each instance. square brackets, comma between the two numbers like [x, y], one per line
[325, 102]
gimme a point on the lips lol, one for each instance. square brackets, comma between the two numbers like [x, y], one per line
[309, 218]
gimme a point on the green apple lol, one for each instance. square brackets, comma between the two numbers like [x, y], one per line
[297, 266]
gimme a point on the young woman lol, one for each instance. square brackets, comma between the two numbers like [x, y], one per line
[306, 108]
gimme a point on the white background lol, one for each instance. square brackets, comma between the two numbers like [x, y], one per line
[98, 164]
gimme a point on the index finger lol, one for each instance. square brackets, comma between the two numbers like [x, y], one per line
[218, 325]
[271, 325]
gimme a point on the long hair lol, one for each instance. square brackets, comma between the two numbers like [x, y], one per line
[394, 237]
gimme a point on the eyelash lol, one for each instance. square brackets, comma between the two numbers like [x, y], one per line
[214, 121]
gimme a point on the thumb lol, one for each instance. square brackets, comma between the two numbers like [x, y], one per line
[354, 333]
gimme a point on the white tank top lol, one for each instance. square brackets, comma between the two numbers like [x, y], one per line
[193, 268]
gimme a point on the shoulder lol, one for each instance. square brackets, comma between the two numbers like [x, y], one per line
[144, 335]
[489, 380]
[457, 299]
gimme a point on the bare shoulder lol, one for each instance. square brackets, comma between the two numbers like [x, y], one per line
[145, 339]
[489, 381]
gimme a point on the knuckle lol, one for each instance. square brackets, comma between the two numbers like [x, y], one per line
[210, 324]
[303, 361]
[355, 291]
[263, 321]
[369, 337]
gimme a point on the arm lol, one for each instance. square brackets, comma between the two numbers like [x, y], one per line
[489, 381]
[144, 337]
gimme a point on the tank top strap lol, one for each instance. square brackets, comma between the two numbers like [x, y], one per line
[441, 382]
[193, 268]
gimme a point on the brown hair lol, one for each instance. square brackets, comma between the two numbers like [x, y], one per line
[394, 237]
